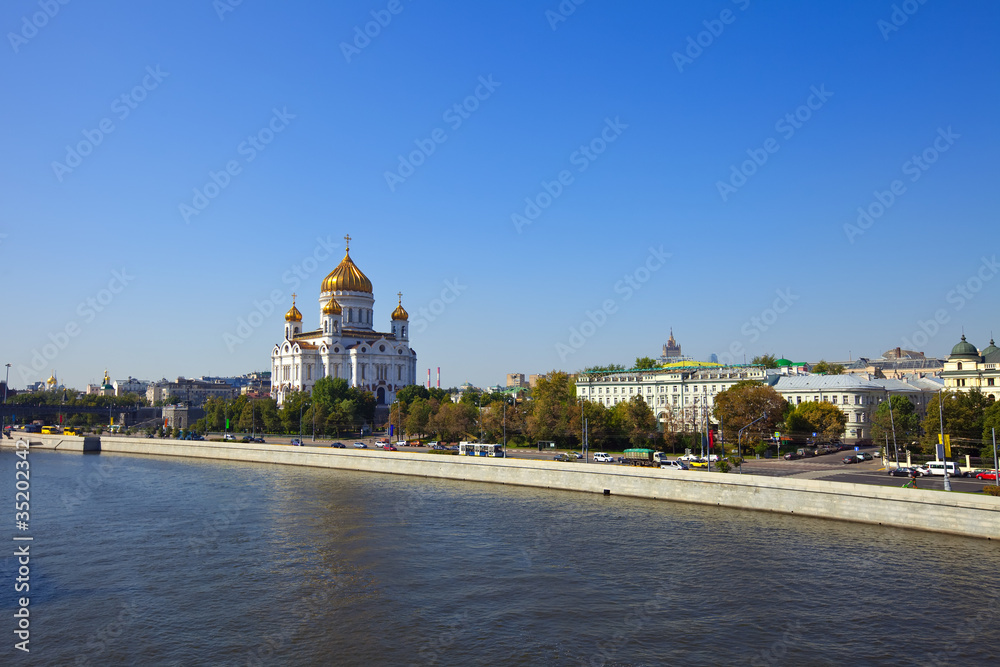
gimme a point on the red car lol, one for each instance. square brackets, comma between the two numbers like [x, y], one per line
[987, 474]
[390, 448]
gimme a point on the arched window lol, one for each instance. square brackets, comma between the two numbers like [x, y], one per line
[403, 332]
[960, 365]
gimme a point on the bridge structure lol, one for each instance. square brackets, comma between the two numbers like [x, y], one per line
[123, 414]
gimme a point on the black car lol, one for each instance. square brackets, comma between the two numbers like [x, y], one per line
[903, 472]
[339, 445]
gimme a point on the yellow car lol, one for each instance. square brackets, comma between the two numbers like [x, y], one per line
[51, 430]
[69, 430]
[698, 464]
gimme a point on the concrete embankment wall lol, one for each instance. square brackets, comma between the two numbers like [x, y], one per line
[936, 511]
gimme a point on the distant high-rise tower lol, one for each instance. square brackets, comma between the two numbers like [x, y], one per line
[671, 349]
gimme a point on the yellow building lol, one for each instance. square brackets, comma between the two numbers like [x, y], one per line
[967, 367]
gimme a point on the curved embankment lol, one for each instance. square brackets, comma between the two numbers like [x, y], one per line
[955, 513]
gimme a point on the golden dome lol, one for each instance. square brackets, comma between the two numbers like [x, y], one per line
[293, 314]
[400, 312]
[52, 378]
[332, 308]
[347, 277]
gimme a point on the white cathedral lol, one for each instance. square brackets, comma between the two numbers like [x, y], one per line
[345, 345]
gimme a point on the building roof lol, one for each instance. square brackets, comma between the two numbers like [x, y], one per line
[822, 382]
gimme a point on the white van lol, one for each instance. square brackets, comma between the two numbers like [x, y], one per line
[601, 457]
[937, 468]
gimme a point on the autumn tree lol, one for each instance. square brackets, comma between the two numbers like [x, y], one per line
[964, 414]
[824, 419]
[743, 403]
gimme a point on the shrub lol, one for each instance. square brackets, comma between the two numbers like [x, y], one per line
[992, 490]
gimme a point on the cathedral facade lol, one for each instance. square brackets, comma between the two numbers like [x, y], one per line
[346, 344]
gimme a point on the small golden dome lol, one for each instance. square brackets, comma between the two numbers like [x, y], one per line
[347, 277]
[52, 378]
[332, 308]
[400, 312]
[293, 314]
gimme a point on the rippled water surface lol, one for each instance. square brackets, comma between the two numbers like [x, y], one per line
[144, 560]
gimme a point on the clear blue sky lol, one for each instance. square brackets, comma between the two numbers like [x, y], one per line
[202, 81]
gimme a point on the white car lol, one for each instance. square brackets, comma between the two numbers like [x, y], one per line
[229, 436]
[360, 445]
[601, 457]
[674, 465]
[688, 457]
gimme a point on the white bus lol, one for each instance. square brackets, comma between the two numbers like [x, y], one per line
[480, 449]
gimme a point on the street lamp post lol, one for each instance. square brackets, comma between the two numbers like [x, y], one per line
[6, 381]
[479, 399]
[739, 439]
[301, 405]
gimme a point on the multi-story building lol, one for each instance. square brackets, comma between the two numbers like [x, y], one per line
[192, 392]
[680, 394]
[516, 380]
[685, 396]
[857, 397]
[967, 368]
[130, 386]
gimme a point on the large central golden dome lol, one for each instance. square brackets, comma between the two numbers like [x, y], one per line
[347, 277]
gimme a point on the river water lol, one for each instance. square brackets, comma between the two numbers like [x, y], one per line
[168, 561]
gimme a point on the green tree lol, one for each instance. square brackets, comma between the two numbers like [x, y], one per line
[409, 393]
[646, 362]
[610, 368]
[826, 368]
[964, 415]
[419, 416]
[554, 411]
[991, 421]
[903, 421]
[765, 360]
[743, 403]
[455, 421]
[634, 421]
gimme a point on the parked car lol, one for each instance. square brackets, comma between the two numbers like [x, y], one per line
[791, 456]
[987, 474]
[601, 457]
[260, 440]
[297, 443]
[360, 445]
[229, 436]
[51, 430]
[197, 437]
[850, 459]
[578, 455]
[339, 445]
[866, 456]
[688, 457]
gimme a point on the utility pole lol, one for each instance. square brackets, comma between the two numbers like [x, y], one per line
[996, 464]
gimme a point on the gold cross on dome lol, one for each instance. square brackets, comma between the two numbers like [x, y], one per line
[293, 298]
[400, 295]
[348, 239]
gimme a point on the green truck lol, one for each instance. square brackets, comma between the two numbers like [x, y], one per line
[644, 457]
